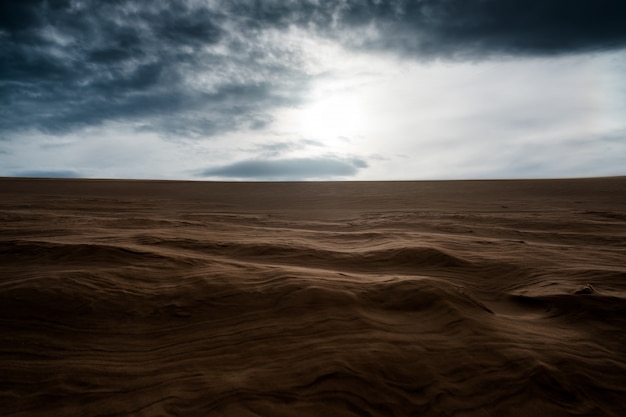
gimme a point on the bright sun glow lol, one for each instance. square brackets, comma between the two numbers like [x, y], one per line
[331, 118]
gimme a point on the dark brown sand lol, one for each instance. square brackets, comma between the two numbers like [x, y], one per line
[155, 298]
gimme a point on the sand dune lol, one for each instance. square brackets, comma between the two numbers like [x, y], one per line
[468, 298]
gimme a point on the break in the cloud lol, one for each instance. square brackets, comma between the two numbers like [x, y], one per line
[232, 75]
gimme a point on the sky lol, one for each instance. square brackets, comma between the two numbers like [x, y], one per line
[278, 90]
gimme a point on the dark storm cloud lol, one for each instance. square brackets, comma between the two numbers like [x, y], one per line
[447, 28]
[289, 169]
[70, 64]
[199, 68]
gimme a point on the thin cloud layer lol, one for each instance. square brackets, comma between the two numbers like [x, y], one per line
[48, 174]
[198, 69]
[288, 169]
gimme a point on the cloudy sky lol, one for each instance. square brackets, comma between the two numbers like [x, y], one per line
[313, 89]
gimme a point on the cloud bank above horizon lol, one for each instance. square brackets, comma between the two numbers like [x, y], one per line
[286, 90]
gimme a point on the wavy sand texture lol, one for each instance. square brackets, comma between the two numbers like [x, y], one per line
[155, 298]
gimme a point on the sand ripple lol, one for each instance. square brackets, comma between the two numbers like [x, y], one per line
[163, 306]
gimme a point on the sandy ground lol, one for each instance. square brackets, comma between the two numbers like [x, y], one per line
[155, 298]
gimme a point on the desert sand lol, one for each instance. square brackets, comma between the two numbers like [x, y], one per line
[451, 298]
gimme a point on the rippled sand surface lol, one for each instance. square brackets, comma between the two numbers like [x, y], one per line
[156, 298]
